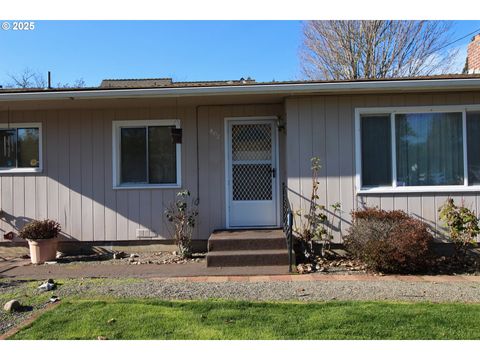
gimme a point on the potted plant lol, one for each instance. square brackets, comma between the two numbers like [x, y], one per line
[183, 213]
[42, 237]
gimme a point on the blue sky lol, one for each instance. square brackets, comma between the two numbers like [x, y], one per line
[184, 50]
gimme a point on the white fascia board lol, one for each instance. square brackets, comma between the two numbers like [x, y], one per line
[285, 89]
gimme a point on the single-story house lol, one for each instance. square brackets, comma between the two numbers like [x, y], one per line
[101, 161]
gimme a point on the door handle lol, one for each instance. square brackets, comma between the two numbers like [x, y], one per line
[274, 172]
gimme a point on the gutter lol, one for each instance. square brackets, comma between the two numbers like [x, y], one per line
[282, 89]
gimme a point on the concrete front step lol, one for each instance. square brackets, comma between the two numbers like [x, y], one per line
[247, 244]
[270, 257]
[265, 239]
[247, 247]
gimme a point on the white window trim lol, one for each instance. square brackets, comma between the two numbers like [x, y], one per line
[410, 189]
[38, 169]
[116, 126]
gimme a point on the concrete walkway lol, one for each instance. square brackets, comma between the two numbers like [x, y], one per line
[26, 270]
[198, 272]
[436, 279]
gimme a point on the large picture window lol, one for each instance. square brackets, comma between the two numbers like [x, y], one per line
[418, 149]
[20, 148]
[145, 154]
[429, 149]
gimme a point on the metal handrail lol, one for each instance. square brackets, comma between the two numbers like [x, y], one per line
[288, 225]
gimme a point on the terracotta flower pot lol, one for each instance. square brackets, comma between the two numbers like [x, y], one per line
[42, 250]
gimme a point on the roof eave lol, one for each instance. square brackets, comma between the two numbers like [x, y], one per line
[281, 89]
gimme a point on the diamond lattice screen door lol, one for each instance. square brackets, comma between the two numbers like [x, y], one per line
[252, 187]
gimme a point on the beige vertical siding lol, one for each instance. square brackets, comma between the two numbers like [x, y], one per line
[212, 159]
[324, 126]
[75, 187]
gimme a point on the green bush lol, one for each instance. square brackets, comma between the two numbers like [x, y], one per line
[461, 222]
[389, 241]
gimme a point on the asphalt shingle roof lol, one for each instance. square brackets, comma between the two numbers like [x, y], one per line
[118, 84]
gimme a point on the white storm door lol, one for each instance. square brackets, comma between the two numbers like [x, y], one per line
[252, 174]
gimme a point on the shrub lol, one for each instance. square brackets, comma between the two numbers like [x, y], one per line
[317, 224]
[461, 222]
[40, 229]
[382, 215]
[389, 241]
[183, 214]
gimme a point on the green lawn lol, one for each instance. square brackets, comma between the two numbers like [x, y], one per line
[151, 319]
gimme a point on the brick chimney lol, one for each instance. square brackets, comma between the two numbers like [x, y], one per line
[473, 56]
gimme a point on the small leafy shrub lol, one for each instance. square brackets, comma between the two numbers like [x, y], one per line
[40, 229]
[183, 215]
[389, 241]
[462, 224]
[317, 224]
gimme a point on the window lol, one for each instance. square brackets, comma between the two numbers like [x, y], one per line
[145, 154]
[429, 149]
[418, 149]
[473, 149]
[376, 150]
[20, 148]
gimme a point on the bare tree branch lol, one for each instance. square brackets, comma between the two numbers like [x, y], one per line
[372, 49]
[31, 79]
[79, 83]
[27, 79]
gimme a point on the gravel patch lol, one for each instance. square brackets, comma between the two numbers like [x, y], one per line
[9, 320]
[299, 290]
[20, 290]
[277, 290]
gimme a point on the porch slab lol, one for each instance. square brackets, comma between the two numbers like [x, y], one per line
[245, 234]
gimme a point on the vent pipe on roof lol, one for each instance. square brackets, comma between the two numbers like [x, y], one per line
[49, 80]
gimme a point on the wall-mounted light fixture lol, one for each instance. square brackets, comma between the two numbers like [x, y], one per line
[176, 135]
[8, 236]
[281, 125]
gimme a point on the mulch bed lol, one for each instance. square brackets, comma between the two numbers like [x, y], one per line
[122, 258]
[337, 263]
